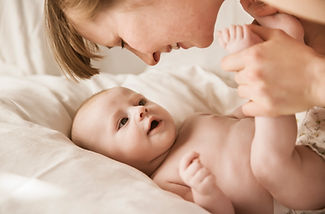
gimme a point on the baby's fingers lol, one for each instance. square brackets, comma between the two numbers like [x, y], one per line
[198, 177]
[207, 185]
[187, 160]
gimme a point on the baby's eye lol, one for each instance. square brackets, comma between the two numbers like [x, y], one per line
[142, 102]
[122, 122]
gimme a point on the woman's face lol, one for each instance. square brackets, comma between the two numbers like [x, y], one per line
[153, 27]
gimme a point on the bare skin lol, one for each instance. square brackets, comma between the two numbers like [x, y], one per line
[224, 153]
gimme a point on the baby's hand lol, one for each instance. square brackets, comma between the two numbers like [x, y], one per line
[195, 174]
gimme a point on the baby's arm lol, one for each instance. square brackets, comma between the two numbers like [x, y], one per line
[294, 175]
[204, 190]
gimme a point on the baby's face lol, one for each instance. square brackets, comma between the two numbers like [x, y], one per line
[127, 127]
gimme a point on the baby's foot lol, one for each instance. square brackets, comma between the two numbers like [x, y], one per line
[289, 24]
[237, 37]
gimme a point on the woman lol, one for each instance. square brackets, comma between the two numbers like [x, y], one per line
[148, 28]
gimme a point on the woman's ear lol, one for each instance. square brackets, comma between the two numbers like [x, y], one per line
[257, 8]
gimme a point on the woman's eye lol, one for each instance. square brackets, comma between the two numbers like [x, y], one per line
[142, 102]
[122, 122]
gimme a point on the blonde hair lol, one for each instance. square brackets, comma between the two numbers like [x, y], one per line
[72, 52]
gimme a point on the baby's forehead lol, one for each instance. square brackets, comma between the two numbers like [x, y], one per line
[118, 92]
[122, 90]
[113, 95]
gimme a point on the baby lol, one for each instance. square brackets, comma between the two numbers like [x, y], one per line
[226, 164]
[222, 163]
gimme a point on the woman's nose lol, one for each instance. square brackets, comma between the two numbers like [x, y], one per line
[148, 58]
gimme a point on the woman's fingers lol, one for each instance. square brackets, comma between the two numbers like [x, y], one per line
[252, 108]
[234, 62]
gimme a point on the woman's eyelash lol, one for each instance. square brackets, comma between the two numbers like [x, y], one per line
[122, 122]
[142, 102]
[122, 43]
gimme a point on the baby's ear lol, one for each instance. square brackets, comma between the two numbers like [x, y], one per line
[257, 8]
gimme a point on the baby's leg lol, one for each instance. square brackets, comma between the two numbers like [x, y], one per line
[285, 22]
[294, 175]
[237, 37]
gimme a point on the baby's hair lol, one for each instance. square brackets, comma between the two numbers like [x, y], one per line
[72, 52]
[74, 138]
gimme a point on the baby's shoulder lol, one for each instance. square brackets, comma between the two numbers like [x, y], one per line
[199, 121]
[194, 119]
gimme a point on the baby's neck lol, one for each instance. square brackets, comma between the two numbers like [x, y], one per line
[160, 160]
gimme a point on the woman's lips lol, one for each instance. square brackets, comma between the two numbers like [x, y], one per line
[169, 48]
[183, 46]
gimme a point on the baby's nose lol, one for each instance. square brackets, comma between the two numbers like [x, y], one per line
[141, 112]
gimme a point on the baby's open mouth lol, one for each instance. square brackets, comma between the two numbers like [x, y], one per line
[153, 125]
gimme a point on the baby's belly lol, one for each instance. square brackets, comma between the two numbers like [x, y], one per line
[224, 145]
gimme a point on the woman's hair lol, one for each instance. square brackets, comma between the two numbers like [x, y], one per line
[72, 52]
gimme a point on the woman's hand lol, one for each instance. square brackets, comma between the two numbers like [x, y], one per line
[278, 76]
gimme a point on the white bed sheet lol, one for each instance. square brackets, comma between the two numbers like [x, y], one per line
[41, 170]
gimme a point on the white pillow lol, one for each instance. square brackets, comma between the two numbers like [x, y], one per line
[22, 40]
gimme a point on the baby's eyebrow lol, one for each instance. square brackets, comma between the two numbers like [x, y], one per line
[134, 96]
